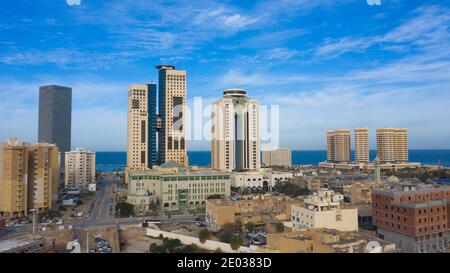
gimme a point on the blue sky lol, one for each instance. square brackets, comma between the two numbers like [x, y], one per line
[326, 63]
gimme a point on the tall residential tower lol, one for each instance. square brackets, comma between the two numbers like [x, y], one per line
[235, 132]
[338, 145]
[392, 144]
[361, 145]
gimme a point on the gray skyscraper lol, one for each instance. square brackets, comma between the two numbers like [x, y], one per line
[55, 117]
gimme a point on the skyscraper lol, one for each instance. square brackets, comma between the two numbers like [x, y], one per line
[362, 145]
[141, 147]
[392, 144]
[55, 117]
[172, 112]
[338, 145]
[235, 132]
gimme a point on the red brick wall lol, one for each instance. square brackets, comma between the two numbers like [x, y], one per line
[409, 221]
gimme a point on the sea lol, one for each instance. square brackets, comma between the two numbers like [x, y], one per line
[108, 161]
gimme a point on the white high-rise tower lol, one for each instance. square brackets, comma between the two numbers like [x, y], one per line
[235, 132]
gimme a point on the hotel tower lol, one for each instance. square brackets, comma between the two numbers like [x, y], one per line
[141, 147]
[235, 132]
[172, 112]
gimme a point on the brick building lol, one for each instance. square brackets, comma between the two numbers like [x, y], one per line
[415, 217]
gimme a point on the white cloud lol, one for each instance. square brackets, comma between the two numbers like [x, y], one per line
[73, 2]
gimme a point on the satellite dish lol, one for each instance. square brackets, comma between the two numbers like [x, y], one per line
[373, 247]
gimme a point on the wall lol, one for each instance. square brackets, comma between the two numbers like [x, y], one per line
[209, 244]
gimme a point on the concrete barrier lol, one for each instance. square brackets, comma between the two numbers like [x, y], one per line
[209, 244]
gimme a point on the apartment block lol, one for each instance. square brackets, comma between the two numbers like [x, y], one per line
[281, 157]
[414, 217]
[392, 144]
[362, 145]
[235, 132]
[322, 209]
[29, 176]
[338, 145]
[79, 169]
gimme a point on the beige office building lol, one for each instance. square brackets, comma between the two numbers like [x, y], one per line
[362, 145]
[79, 168]
[338, 145]
[235, 132]
[392, 144]
[172, 111]
[277, 157]
[29, 175]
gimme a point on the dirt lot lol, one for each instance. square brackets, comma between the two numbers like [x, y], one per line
[63, 237]
[134, 240]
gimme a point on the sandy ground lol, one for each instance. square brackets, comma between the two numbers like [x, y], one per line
[134, 240]
[63, 237]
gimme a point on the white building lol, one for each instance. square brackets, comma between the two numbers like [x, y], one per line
[277, 157]
[323, 210]
[79, 168]
[235, 132]
[262, 179]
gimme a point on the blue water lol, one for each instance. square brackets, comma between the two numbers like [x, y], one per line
[117, 160]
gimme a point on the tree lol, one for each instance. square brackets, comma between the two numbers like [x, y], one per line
[226, 236]
[203, 235]
[126, 209]
[279, 227]
[250, 226]
[236, 242]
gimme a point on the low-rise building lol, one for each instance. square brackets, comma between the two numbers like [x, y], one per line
[414, 216]
[323, 209]
[26, 244]
[358, 192]
[326, 241]
[175, 187]
[256, 209]
[262, 179]
[281, 157]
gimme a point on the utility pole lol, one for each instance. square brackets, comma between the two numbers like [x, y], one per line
[34, 221]
[87, 240]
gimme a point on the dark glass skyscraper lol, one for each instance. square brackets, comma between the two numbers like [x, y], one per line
[55, 117]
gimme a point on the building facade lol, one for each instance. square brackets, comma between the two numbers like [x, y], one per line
[262, 179]
[235, 132]
[79, 169]
[338, 145]
[175, 189]
[415, 217]
[29, 177]
[362, 145]
[392, 144]
[141, 144]
[55, 117]
[277, 157]
[323, 210]
[172, 112]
